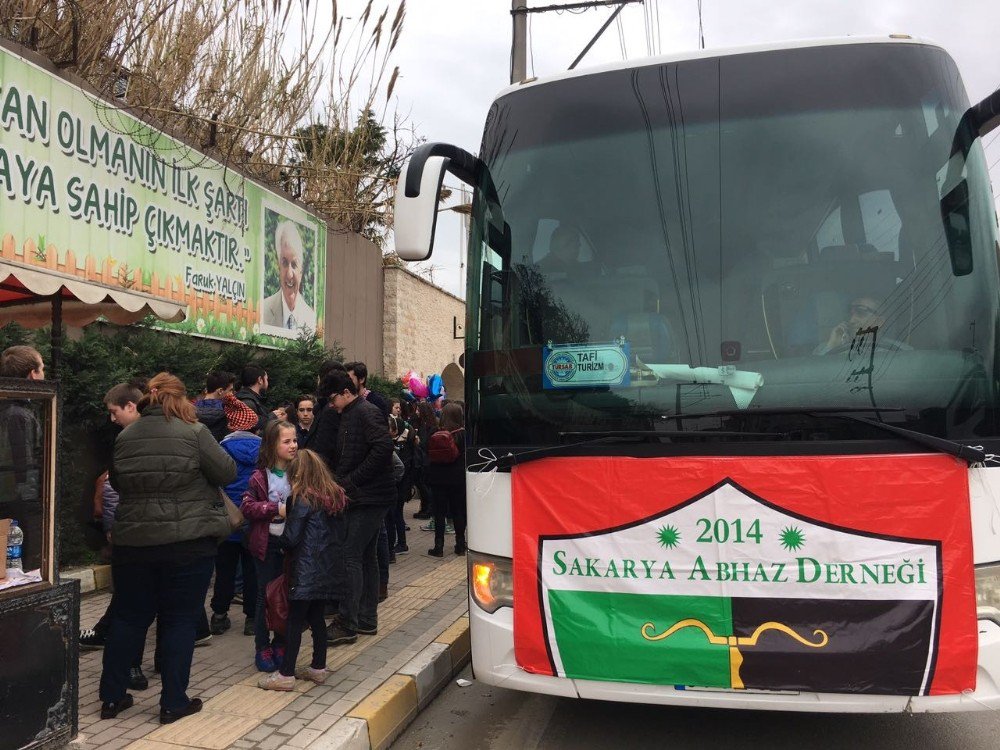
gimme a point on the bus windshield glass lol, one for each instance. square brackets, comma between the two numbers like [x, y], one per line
[768, 231]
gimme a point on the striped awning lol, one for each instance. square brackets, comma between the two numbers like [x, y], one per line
[83, 301]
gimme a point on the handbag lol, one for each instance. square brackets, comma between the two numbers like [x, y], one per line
[276, 605]
[233, 514]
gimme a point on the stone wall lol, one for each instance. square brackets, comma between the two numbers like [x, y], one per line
[354, 297]
[419, 323]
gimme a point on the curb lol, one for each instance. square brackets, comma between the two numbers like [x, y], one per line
[92, 578]
[381, 717]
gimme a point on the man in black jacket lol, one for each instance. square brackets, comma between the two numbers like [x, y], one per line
[359, 374]
[363, 466]
[253, 382]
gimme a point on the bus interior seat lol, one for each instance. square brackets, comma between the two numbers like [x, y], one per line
[648, 335]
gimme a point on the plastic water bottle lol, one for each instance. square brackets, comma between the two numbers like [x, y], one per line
[14, 541]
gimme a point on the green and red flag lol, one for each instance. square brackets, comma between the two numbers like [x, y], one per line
[846, 574]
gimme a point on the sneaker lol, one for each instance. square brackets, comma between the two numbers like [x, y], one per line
[392, 557]
[449, 528]
[435, 552]
[202, 640]
[276, 681]
[136, 679]
[265, 660]
[428, 526]
[238, 597]
[90, 640]
[313, 675]
[279, 655]
[248, 627]
[364, 630]
[338, 635]
[421, 516]
[401, 549]
[219, 624]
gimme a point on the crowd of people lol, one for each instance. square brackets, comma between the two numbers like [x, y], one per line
[316, 490]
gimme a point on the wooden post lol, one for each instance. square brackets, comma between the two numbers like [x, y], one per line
[56, 332]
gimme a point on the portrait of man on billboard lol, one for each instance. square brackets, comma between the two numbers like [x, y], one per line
[289, 277]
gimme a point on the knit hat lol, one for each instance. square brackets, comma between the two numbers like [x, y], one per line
[239, 416]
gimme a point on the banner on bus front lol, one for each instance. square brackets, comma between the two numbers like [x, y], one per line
[839, 574]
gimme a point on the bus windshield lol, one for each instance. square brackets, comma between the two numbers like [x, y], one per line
[768, 231]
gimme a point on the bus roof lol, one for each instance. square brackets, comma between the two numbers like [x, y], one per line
[709, 53]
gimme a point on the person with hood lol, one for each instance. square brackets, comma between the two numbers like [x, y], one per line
[244, 448]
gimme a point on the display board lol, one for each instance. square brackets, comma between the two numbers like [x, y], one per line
[91, 192]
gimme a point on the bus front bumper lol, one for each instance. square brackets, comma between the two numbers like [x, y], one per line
[494, 664]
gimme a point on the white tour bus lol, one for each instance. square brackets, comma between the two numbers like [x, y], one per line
[732, 380]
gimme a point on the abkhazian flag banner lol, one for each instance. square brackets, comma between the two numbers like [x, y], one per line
[833, 574]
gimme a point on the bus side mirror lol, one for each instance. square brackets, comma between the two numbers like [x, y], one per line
[415, 216]
[957, 228]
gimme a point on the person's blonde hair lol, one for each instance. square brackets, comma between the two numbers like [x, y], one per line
[312, 483]
[171, 395]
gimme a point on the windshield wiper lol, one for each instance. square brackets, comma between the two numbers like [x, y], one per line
[941, 445]
[606, 434]
[849, 414]
[615, 437]
[618, 437]
[779, 410]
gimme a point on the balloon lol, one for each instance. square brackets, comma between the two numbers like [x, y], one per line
[435, 386]
[418, 387]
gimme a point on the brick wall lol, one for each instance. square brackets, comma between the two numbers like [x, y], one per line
[418, 325]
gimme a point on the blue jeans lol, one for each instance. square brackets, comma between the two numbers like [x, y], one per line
[360, 603]
[267, 570]
[175, 594]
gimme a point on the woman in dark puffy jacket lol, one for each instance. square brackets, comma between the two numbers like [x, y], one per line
[311, 543]
[168, 470]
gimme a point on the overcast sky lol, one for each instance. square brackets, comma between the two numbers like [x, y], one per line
[454, 55]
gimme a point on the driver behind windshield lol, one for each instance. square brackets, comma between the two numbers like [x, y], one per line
[564, 251]
[862, 316]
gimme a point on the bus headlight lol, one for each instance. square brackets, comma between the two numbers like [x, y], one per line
[988, 586]
[491, 580]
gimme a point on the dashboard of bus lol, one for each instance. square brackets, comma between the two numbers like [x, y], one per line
[736, 248]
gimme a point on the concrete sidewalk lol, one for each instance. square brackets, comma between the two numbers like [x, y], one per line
[375, 686]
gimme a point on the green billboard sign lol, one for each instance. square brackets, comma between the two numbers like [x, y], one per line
[89, 191]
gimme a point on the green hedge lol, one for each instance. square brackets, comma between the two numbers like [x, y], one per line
[106, 355]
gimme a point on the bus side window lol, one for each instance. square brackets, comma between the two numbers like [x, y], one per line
[881, 221]
[830, 232]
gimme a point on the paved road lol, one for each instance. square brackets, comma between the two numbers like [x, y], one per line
[481, 717]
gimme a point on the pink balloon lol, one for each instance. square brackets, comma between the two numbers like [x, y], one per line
[418, 387]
